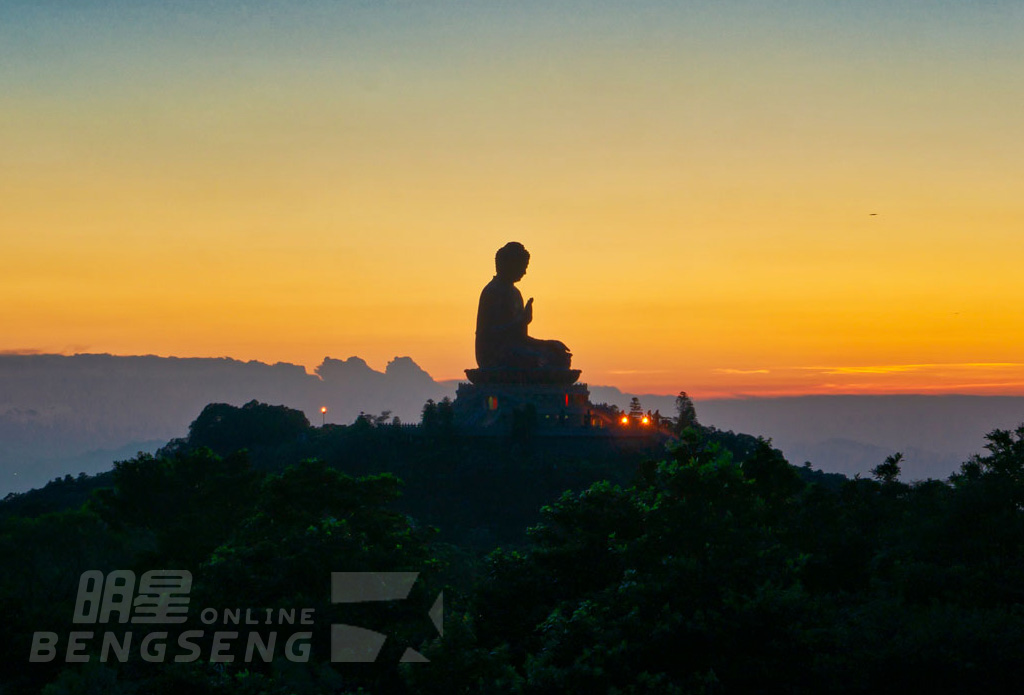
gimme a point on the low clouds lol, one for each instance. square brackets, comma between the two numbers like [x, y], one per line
[977, 378]
[928, 368]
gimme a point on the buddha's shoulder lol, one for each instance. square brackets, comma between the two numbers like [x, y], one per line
[498, 289]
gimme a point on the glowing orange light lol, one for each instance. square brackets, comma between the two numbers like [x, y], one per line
[646, 420]
[624, 420]
[323, 409]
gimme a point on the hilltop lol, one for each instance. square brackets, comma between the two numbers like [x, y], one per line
[64, 415]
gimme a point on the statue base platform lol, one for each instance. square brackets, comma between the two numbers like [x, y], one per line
[514, 375]
[552, 408]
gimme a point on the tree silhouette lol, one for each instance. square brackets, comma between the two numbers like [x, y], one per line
[636, 411]
[686, 413]
[889, 470]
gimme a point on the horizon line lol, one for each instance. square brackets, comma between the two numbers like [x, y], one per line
[974, 390]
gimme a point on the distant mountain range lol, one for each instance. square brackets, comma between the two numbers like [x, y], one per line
[853, 434]
[68, 414]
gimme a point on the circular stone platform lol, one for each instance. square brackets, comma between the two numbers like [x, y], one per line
[512, 375]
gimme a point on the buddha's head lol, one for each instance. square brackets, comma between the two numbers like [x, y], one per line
[511, 260]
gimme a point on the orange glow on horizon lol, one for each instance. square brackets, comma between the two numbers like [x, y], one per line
[337, 184]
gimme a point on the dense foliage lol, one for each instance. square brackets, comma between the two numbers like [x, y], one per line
[715, 566]
[711, 575]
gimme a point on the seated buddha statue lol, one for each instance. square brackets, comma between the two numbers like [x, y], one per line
[502, 338]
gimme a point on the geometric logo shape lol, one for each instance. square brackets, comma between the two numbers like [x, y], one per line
[352, 644]
[360, 587]
[437, 614]
[355, 645]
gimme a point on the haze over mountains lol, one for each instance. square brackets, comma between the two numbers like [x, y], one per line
[69, 414]
[853, 434]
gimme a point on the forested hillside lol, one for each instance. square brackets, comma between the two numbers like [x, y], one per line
[704, 564]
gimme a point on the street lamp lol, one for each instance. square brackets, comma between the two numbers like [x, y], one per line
[323, 415]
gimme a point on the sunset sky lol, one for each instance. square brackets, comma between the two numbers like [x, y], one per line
[728, 198]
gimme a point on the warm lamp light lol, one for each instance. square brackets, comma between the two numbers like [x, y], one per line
[624, 420]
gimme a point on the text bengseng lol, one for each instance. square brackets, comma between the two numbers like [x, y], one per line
[153, 646]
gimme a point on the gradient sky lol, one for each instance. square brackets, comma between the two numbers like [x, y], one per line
[723, 197]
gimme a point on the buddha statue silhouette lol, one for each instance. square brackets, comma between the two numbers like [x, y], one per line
[502, 339]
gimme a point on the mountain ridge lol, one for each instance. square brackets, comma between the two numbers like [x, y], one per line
[57, 411]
